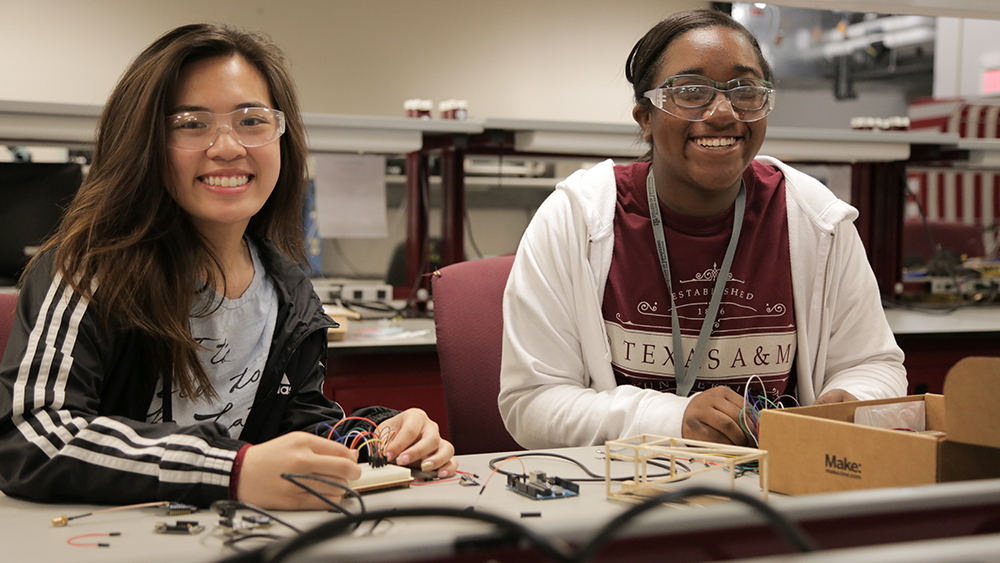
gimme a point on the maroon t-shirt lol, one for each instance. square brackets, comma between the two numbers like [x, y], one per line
[754, 333]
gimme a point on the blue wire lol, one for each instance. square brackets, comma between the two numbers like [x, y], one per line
[329, 430]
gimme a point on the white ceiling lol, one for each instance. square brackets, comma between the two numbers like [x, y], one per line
[975, 9]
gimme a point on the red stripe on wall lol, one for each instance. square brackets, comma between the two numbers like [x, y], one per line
[936, 123]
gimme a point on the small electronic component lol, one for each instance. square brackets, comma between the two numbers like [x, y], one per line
[538, 486]
[245, 524]
[423, 476]
[180, 527]
[257, 520]
[180, 509]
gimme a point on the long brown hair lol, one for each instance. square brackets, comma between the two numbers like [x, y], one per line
[124, 230]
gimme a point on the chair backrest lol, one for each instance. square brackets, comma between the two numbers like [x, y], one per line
[7, 314]
[468, 318]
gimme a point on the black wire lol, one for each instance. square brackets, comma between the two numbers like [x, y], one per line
[334, 528]
[291, 478]
[468, 231]
[347, 261]
[380, 306]
[425, 190]
[787, 529]
[228, 508]
[465, 210]
[593, 476]
[934, 251]
[231, 542]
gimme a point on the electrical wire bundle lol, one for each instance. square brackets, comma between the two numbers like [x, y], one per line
[373, 442]
[753, 405]
[244, 529]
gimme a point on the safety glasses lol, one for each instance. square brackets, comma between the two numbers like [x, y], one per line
[199, 130]
[690, 97]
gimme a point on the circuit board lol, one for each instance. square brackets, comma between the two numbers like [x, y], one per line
[538, 486]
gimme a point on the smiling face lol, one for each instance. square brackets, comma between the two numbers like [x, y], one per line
[698, 165]
[222, 187]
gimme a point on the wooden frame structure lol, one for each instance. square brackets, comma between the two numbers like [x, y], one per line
[644, 447]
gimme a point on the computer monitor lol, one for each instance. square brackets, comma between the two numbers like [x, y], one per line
[33, 197]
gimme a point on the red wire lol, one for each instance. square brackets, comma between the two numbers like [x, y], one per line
[499, 465]
[341, 421]
[105, 534]
[358, 437]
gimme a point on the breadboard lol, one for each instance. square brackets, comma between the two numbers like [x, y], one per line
[384, 477]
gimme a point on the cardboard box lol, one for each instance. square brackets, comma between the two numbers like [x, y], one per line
[819, 449]
[341, 315]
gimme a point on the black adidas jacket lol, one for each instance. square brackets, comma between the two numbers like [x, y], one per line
[73, 399]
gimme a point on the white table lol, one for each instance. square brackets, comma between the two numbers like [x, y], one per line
[681, 533]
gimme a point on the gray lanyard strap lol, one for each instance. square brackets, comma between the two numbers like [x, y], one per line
[685, 376]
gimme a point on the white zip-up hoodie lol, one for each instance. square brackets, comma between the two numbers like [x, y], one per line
[557, 387]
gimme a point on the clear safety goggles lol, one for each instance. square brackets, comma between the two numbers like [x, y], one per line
[690, 97]
[199, 130]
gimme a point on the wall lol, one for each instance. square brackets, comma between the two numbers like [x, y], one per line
[558, 59]
[818, 108]
[961, 46]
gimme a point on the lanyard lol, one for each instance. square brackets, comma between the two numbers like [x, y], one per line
[685, 375]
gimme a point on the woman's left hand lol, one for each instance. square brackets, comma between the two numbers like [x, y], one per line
[416, 442]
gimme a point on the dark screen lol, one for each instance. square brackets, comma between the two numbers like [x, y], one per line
[33, 197]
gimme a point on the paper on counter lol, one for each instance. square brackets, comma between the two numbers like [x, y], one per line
[350, 196]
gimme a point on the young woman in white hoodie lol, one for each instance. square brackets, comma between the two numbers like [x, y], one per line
[742, 270]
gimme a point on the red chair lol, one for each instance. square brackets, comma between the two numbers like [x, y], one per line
[7, 314]
[468, 318]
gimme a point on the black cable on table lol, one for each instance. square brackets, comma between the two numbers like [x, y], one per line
[293, 478]
[787, 529]
[593, 476]
[334, 528]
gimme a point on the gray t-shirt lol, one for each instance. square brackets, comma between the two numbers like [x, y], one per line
[235, 341]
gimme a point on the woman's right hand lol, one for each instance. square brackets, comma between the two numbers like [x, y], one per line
[712, 416]
[260, 481]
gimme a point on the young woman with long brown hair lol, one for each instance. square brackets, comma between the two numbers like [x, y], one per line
[167, 343]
